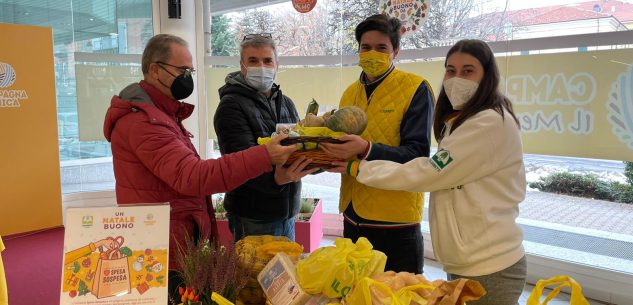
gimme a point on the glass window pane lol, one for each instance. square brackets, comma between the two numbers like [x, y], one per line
[545, 50]
[90, 39]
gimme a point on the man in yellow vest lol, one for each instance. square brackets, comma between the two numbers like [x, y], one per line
[399, 108]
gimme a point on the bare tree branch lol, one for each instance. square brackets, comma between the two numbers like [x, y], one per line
[329, 28]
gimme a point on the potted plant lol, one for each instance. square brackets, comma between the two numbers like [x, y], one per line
[224, 233]
[218, 207]
[208, 267]
[309, 224]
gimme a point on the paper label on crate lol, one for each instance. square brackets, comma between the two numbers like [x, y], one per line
[279, 284]
[116, 255]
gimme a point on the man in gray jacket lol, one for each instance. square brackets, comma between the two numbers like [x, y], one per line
[251, 105]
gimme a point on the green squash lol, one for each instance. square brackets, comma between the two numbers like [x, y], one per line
[349, 119]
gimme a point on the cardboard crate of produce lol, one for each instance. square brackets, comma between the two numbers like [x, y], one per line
[280, 284]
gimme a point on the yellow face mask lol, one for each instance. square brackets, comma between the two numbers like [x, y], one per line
[374, 63]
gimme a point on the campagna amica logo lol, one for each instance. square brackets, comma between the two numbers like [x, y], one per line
[10, 98]
[7, 75]
[620, 107]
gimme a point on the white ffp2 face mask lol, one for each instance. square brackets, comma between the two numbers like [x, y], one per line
[260, 78]
[459, 91]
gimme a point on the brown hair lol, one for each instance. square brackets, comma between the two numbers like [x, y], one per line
[487, 95]
[381, 23]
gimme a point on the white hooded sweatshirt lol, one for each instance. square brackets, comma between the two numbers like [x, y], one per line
[476, 180]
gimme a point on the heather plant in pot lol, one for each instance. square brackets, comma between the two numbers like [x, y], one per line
[209, 267]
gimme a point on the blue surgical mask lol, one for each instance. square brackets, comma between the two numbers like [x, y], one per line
[260, 78]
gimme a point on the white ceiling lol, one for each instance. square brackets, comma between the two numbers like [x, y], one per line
[219, 7]
[73, 20]
[95, 18]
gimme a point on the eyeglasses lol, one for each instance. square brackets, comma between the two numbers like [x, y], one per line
[263, 35]
[186, 70]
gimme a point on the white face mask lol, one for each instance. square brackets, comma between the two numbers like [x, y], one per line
[260, 78]
[459, 91]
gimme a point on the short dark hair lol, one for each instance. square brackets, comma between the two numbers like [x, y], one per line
[487, 95]
[389, 26]
[158, 48]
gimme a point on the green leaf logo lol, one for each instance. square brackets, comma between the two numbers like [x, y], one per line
[441, 159]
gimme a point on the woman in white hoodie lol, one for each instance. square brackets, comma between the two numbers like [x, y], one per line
[476, 178]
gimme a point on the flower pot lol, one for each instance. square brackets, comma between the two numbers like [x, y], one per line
[309, 233]
[308, 229]
[224, 233]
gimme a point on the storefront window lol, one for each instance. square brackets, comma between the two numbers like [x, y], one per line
[559, 61]
[94, 33]
[318, 49]
[562, 62]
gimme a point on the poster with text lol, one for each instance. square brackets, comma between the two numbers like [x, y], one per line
[304, 6]
[30, 192]
[411, 13]
[116, 255]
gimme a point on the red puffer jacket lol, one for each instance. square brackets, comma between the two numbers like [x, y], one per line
[155, 161]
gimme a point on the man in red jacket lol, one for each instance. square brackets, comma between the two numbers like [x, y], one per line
[154, 159]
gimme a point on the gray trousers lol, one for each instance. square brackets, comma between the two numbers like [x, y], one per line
[503, 287]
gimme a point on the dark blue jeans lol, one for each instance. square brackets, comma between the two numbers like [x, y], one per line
[404, 247]
[242, 227]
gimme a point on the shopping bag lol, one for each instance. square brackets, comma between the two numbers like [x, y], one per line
[408, 294]
[112, 273]
[220, 300]
[456, 292]
[371, 292]
[577, 298]
[333, 271]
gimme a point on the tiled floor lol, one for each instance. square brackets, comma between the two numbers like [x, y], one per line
[433, 270]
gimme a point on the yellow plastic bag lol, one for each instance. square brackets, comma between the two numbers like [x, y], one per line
[577, 298]
[220, 300]
[308, 132]
[333, 271]
[372, 292]
[456, 292]
[319, 132]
